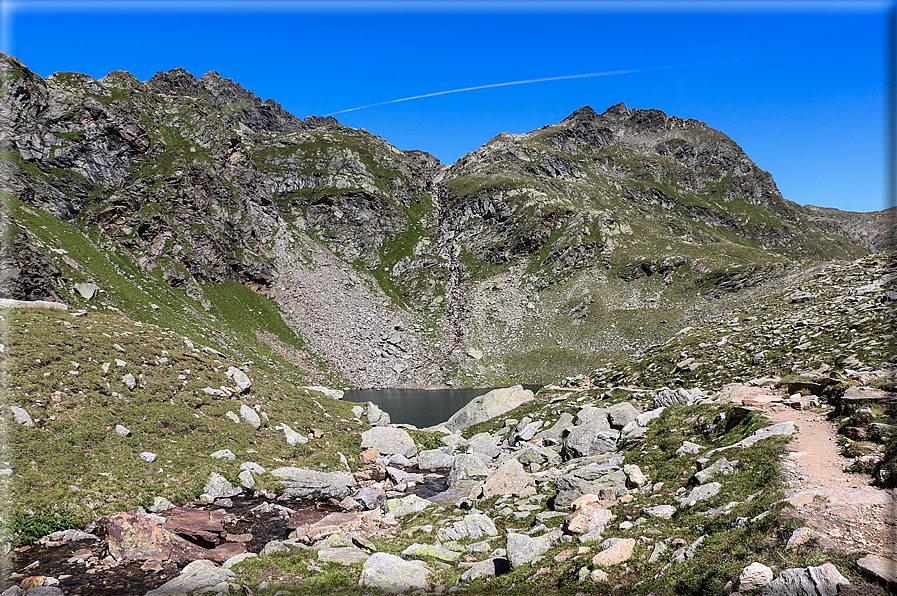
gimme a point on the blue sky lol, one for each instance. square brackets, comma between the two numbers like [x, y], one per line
[801, 86]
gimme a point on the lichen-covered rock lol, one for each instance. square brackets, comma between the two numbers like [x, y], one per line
[387, 440]
[475, 525]
[618, 552]
[407, 505]
[509, 479]
[523, 549]
[467, 471]
[810, 581]
[393, 575]
[431, 459]
[302, 483]
[428, 551]
[589, 479]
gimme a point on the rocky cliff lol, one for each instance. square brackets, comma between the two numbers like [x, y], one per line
[532, 255]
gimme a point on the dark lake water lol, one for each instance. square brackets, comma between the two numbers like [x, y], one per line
[419, 407]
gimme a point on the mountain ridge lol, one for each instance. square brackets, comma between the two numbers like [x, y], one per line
[608, 230]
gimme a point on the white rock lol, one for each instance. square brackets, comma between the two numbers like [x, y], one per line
[148, 457]
[756, 575]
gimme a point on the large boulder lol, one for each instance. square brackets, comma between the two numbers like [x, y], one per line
[509, 479]
[431, 459]
[475, 525]
[523, 549]
[811, 581]
[467, 471]
[302, 483]
[199, 575]
[394, 575]
[622, 414]
[590, 438]
[389, 441]
[589, 479]
[488, 406]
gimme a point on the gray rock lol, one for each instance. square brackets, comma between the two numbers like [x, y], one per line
[880, 567]
[161, 504]
[148, 457]
[393, 575]
[293, 438]
[407, 505]
[239, 378]
[597, 416]
[386, 440]
[44, 591]
[223, 454]
[344, 555]
[488, 568]
[722, 466]
[689, 448]
[250, 416]
[357, 411]
[533, 454]
[644, 418]
[195, 577]
[488, 406]
[122, 431]
[374, 413]
[661, 511]
[431, 459]
[252, 467]
[701, 493]
[302, 483]
[218, 486]
[371, 499]
[274, 546]
[21, 416]
[809, 581]
[523, 549]
[525, 430]
[87, 290]
[237, 559]
[669, 397]
[590, 438]
[782, 428]
[129, 381]
[483, 443]
[622, 414]
[426, 551]
[554, 434]
[475, 525]
[467, 471]
[588, 479]
[247, 480]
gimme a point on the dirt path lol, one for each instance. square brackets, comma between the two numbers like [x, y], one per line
[849, 513]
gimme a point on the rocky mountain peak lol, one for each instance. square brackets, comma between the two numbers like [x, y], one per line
[176, 82]
[618, 111]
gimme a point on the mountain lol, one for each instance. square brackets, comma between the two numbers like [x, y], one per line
[328, 253]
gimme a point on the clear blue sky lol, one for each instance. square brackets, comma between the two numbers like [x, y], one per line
[801, 86]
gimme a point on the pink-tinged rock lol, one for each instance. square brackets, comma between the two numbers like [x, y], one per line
[756, 575]
[587, 518]
[197, 523]
[132, 537]
[880, 567]
[509, 479]
[616, 554]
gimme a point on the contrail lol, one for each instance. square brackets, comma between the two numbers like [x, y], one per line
[542, 80]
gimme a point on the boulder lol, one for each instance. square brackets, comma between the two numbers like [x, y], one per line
[394, 575]
[533, 454]
[371, 499]
[589, 479]
[218, 486]
[223, 454]
[488, 406]
[293, 438]
[553, 435]
[701, 493]
[590, 438]
[754, 576]
[660, 511]
[129, 381]
[689, 448]
[345, 555]
[475, 525]
[195, 577]
[635, 477]
[484, 444]
[812, 581]
[622, 414]
[122, 431]
[432, 459]
[523, 549]
[509, 479]
[87, 290]
[426, 551]
[21, 416]
[488, 568]
[880, 567]
[618, 552]
[597, 416]
[250, 416]
[467, 471]
[302, 483]
[587, 518]
[721, 467]
[387, 440]
[239, 378]
[407, 505]
[134, 537]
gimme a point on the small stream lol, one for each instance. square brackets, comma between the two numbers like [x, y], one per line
[84, 577]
